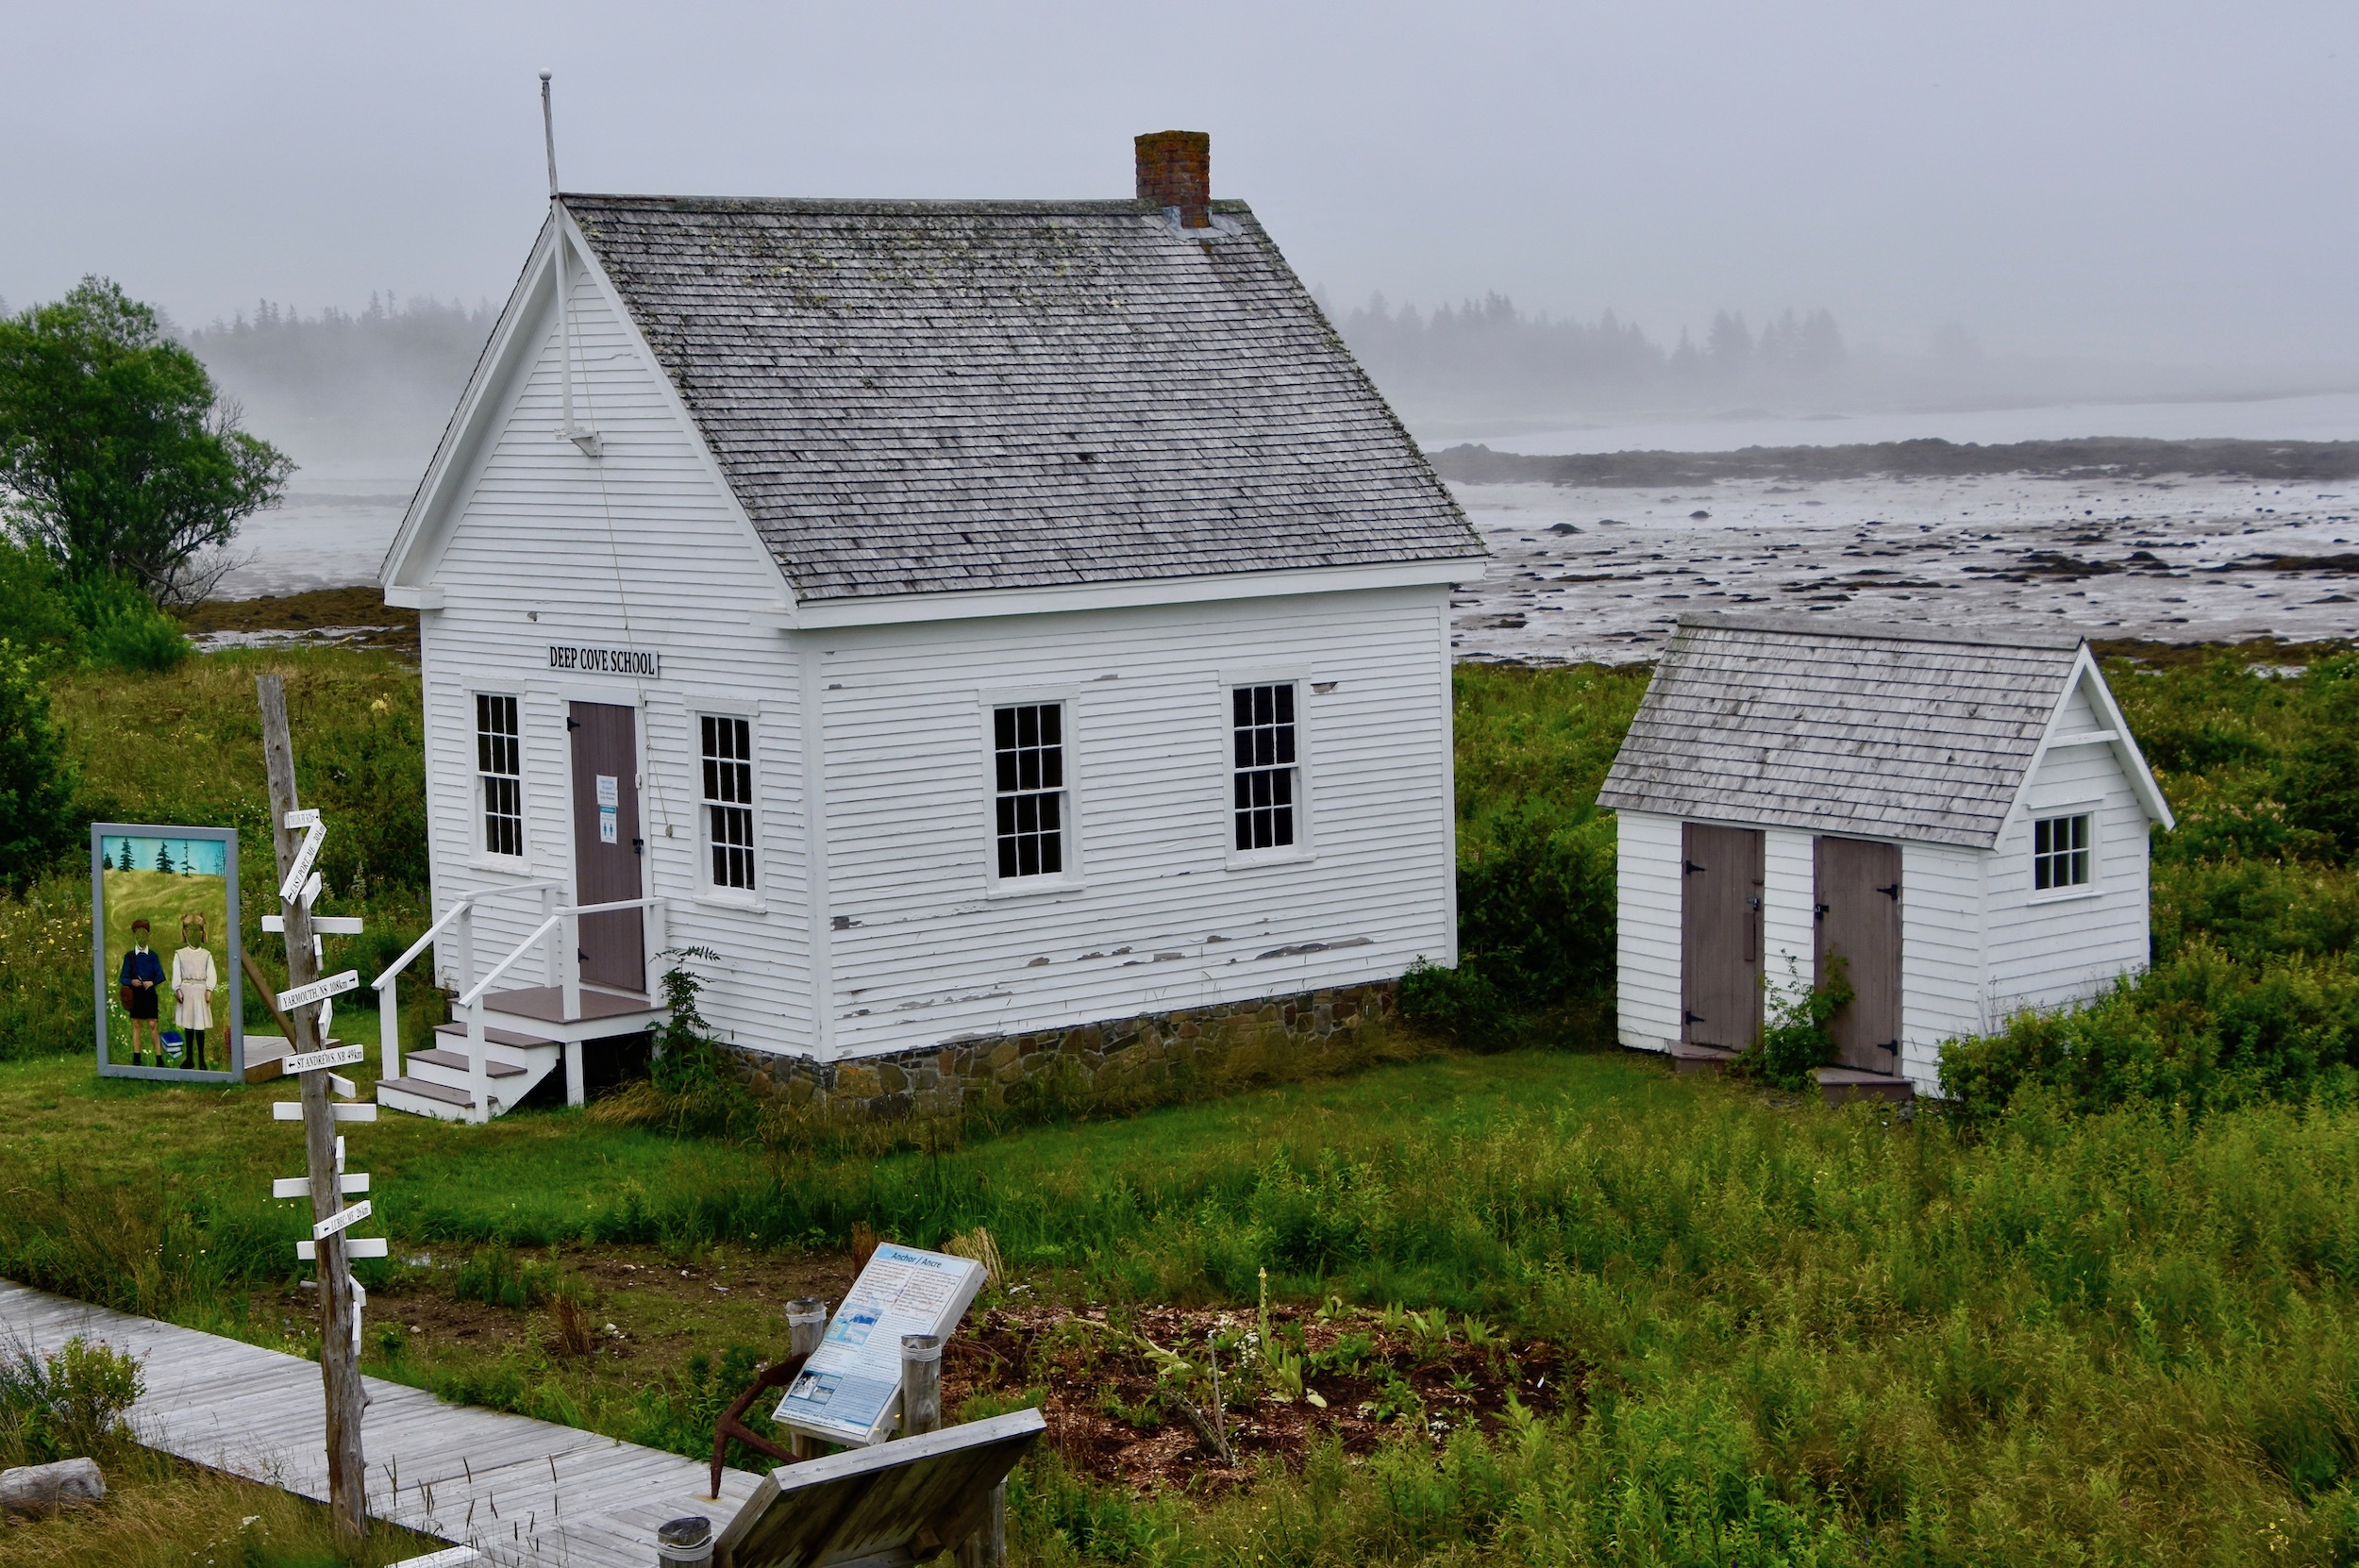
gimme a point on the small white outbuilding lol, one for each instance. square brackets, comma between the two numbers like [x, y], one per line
[1964, 818]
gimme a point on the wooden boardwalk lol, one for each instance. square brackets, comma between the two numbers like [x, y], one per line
[524, 1492]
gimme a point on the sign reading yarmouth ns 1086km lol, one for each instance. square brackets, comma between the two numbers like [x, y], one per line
[606, 662]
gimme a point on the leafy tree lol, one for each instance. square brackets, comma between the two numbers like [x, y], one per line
[36, 780]
[116, 451]
[34, 611]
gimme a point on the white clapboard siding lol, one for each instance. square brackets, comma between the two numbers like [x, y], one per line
[1941, 954]
[640, 548]
[926, 949]
[2048, 951]
[1788, 918]
[1646, 938]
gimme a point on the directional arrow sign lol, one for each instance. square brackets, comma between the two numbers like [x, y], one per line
[335, 985]
[300, 1187]
[311, 1061]
[302, 819]
[312, 891]
[322, 925]
[292, 1110]
[303, 860]
[357, 1246]
[339, 1220]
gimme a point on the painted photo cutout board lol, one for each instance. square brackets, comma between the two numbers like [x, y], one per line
[850, 1389]
[164, 952]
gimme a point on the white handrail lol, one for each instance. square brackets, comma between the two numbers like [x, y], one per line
[465, 900]
[648, 902]
[475, 993]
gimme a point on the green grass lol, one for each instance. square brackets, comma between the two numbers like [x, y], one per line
[2110, 1321]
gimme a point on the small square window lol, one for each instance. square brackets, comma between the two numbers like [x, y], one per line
[1264, 787]
[2060, 852]
[499, 773]
[728, 799]
[1028, 788]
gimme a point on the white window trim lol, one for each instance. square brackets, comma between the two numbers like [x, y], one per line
[480, 855]
[2032, 817]
[1305, 847]
[707, 891]
[1074, 876]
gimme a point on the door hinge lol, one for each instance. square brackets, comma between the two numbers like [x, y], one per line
[581, 956]
[1691, 1017]
[1892, 892]
[1892, 1045]
[1693, 868]
[572, 723]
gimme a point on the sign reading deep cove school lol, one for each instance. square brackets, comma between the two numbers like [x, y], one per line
[606, 662]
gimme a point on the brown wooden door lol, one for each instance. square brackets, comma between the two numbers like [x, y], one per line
[1721, 936]
[1859, 917]
[608, 848]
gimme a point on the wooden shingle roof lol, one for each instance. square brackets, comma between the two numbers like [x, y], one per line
[917, 397]
[1841, 727]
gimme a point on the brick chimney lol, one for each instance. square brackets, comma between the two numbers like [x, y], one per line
[1176, 171]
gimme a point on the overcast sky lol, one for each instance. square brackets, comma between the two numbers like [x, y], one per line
[2150, 180]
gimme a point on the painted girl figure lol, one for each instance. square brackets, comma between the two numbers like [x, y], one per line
[142, 972]
[193, 981]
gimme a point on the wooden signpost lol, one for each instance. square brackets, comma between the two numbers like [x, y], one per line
[306, 1005]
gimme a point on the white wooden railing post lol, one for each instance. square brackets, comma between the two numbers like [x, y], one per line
[659, 938]
[466, 946]
[569, 962]
[548, 907]
[478, 1083]
[389, 1023]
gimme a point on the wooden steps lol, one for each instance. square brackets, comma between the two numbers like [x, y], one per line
[1686, 1058]
[1837, 1085]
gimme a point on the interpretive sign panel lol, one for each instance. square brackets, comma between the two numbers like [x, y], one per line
[849, 1390]
[164, 952]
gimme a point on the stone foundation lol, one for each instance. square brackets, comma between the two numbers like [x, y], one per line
[1135, 1063]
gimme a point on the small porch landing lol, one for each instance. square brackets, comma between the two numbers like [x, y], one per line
[1836, 1085]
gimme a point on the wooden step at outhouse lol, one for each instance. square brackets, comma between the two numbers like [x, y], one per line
[1841, 1084]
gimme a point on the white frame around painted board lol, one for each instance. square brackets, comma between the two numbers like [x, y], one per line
[103, 980]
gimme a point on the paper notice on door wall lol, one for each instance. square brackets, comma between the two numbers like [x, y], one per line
[610, 801]
[849, 1390]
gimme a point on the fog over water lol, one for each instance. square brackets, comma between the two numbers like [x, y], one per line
[1555, 230]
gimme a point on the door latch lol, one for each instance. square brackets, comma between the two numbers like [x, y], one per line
[638, 847]
[1818, 912]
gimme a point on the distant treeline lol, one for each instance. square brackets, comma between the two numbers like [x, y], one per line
[2097, 458]
[1490, 352]
[383, 379]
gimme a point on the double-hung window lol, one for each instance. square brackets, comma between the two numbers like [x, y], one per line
[728, 799]
[499, 773]
[1028, 789]
[1266, 784]
[2060, 852]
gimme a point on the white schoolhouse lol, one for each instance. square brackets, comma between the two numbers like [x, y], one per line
[1963, 818]
[964, 619]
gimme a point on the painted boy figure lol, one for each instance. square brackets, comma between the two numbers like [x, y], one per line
[142, 972]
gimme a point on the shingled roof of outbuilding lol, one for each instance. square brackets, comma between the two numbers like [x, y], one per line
[1841, 727]
[913, 397]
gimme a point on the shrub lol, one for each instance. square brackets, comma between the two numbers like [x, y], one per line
[2200, 1031]
[2321, 785]
[64, 1404]
[36, 783]
[34, 612]
[1800, 1035]
[497, 1277]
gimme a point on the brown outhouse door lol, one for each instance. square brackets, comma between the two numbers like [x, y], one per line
[608, 846]
[1859, 917]
[1721, 936]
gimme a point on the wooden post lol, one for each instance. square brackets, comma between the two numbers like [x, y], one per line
[988, 1546]
[339, 1361]
[921, 1384]
[805, 1325]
